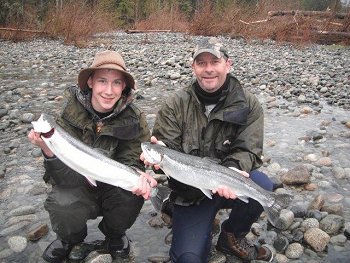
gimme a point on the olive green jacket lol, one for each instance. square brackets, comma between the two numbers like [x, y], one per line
[118, 135]
[232, 133]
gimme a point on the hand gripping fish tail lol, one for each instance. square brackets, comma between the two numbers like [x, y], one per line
[207, 176]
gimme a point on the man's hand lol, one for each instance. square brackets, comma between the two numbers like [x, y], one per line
[225, 191]
[244, 173]
[35, 138]
[145, 185]
[142, 157]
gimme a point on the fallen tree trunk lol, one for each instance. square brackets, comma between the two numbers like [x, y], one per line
[330, 37]
[132, 31]
[254, 22]
[308, 13]
[332, 33]
[22, 30]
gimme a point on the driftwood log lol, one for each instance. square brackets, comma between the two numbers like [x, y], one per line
[22, 30]
[308, 13]
[133, 31]
[331, 33]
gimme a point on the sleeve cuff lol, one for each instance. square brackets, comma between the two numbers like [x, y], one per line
[47, 157]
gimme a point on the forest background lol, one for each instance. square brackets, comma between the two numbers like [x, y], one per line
[76, 21]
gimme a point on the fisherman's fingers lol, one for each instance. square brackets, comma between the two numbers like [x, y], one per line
[149, 183]
[142, 157]
[229, 193]
[31, 136]
[137, 190]
[34, 138]
[145, 162]
[154, 139]
[150, 180]
[225, 192]
[143, 188]
[244, 173]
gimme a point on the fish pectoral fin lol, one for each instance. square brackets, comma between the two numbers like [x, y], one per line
[91, 181]
[207, 192]
[243, 198]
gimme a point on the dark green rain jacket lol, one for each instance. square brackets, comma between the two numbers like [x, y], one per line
[118, 135]
[232, 134]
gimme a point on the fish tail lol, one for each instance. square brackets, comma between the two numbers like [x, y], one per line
[158, 196]
[273, 212]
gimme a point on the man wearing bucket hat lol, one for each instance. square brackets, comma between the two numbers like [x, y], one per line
[214, 117]
[100, 113]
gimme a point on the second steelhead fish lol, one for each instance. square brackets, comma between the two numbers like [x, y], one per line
[207, 176]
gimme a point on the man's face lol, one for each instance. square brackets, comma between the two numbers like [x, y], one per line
[210, 71]
[107, 86]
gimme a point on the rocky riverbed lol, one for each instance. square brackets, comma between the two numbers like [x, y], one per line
[305, 92]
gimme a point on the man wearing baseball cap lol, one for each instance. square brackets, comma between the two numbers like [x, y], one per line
[100, 113]
[214, 117]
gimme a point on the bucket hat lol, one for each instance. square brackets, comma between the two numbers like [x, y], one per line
[106, 60]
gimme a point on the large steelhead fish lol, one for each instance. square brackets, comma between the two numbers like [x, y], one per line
[208, 175]
[84, 159]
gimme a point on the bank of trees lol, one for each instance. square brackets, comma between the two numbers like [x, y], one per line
[75, 20]
[128, 12]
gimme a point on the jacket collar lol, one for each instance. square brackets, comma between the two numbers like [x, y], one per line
[79, 107]
[85, 99]
[232, 106]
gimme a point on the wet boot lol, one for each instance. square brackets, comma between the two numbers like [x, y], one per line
[82, 250]
[116, 247]
[57, 251]
[118, 250]
[239, 247]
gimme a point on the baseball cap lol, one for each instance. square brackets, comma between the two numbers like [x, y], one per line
[211, 45]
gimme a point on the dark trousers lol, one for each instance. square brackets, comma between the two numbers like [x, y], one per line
[192, 225]
[70, 208]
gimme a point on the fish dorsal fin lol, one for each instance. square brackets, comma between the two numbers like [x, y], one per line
[207, 193]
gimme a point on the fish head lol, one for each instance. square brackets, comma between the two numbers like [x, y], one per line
[152, 152]
[42, 124]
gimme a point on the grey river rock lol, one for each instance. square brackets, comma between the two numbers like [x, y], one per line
[305, 92]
